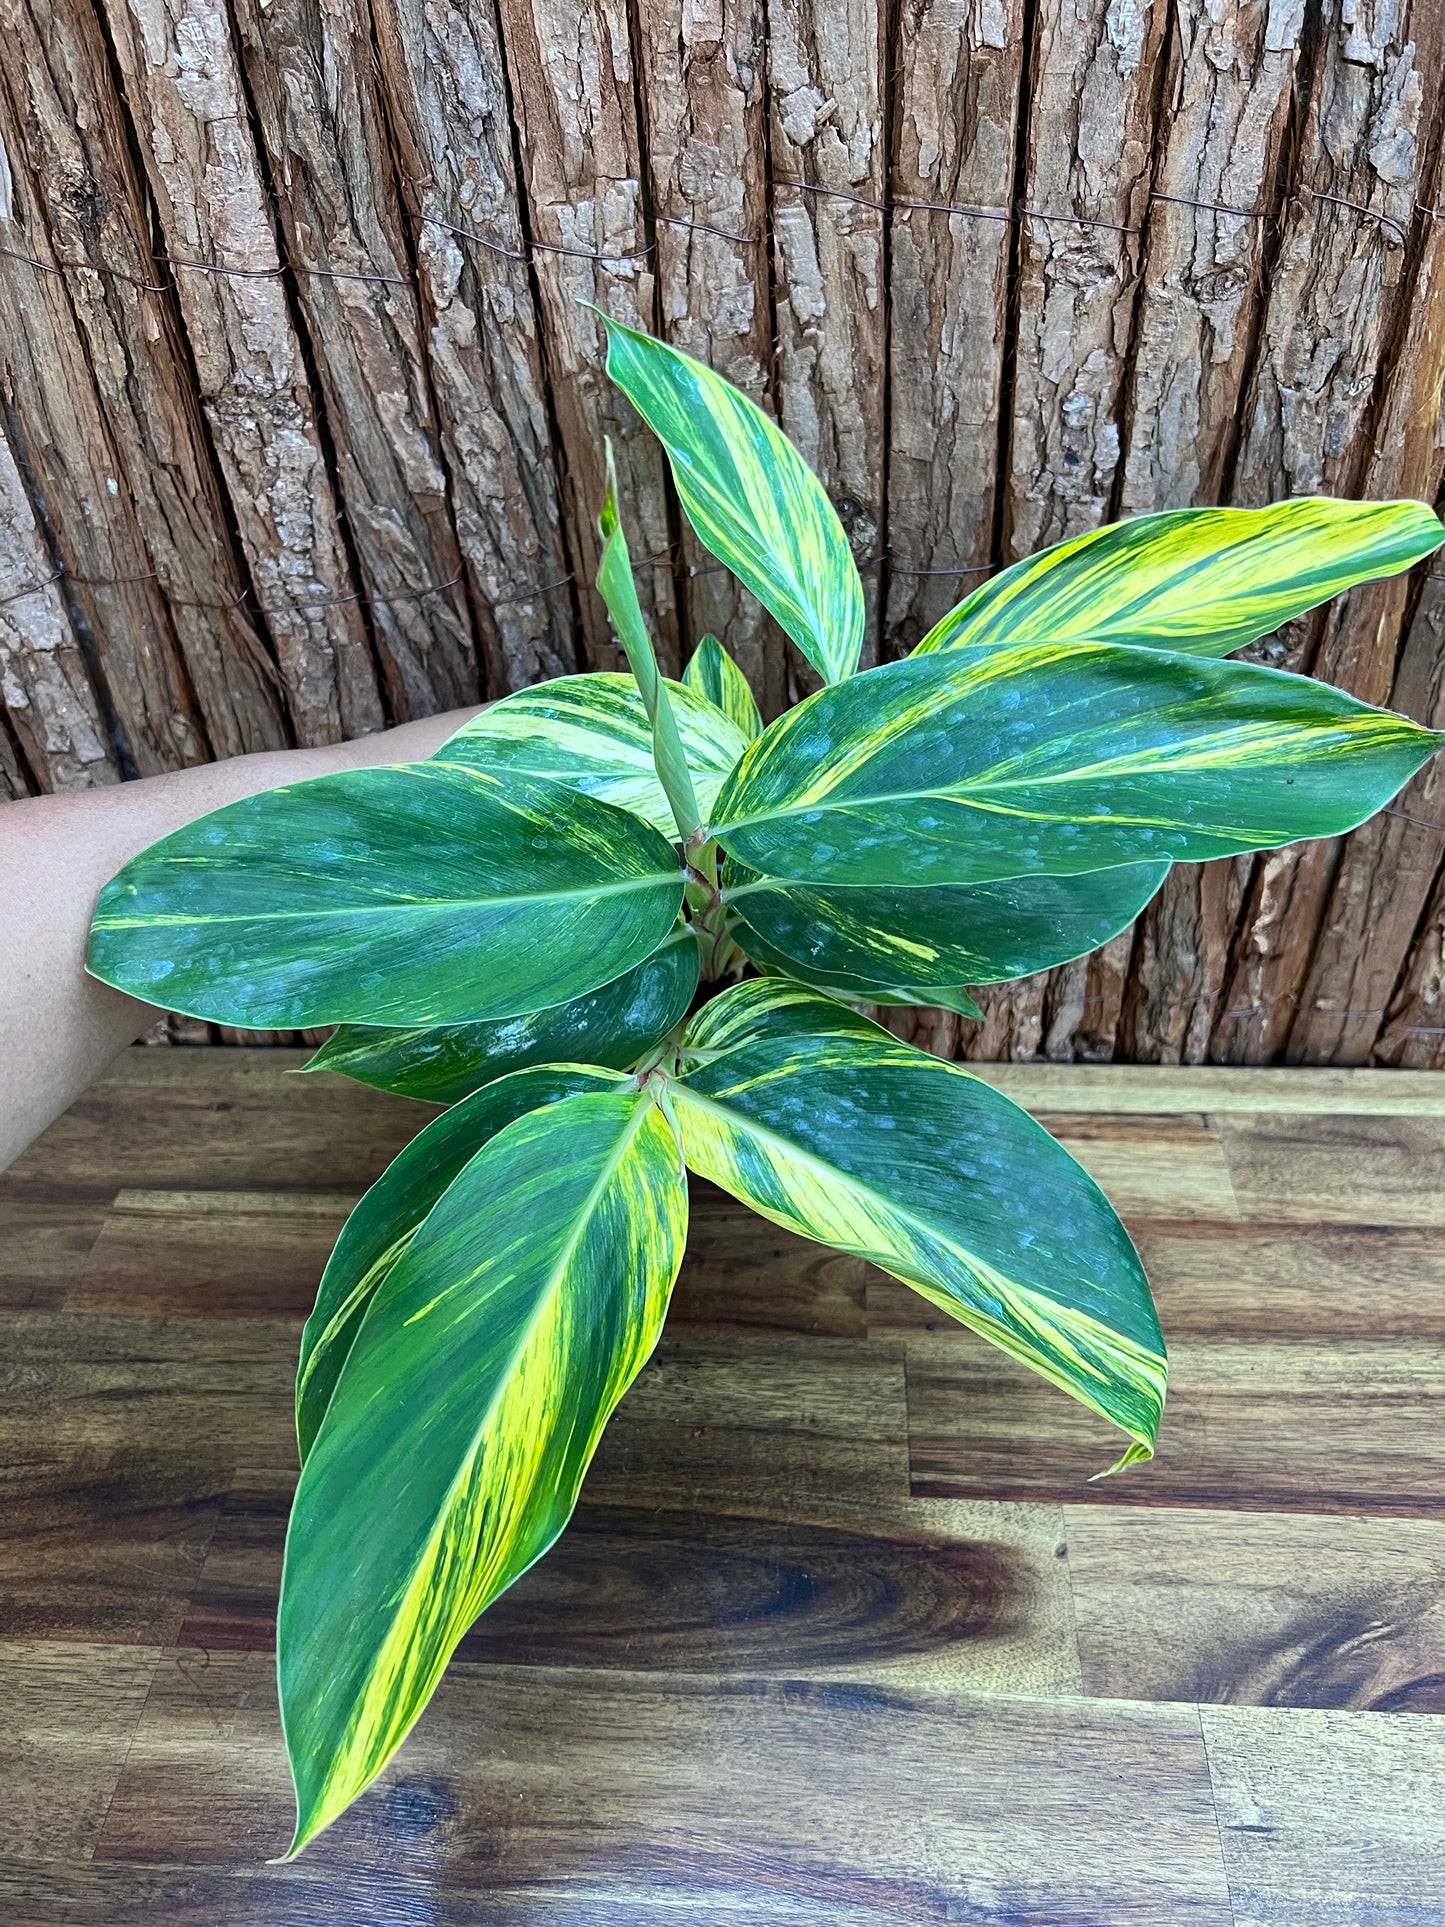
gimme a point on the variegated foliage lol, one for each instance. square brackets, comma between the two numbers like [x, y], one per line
[518, 927]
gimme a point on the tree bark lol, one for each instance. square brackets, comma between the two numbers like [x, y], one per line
[702, 101]
[825, 69]
[183, 82]
[112, 333]
[1319, 420]
[443, 75]
[572, 80]
[50, 702]
[1089, 143]
[1222, 133]
[313, 82]
[958, 111]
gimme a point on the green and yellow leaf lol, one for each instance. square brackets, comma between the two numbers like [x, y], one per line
[713, 673]
[592, 733]
[464, 1419]
[944, 934]
[388, 1217]
[413, 894]
[1204, 581]
[612, 1026]
[1053, 759]
[753, 500]
[827, 1125]
[851, 990]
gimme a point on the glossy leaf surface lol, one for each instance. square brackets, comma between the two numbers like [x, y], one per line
[950, 934]
[390, 1214]
[713, 673]
[826, 1124]
[611, 1026]
[852, 990]
[971, 766]
[464, 1419]
[1204, 581]
[414, 894]
[753, 500]
[592, 733]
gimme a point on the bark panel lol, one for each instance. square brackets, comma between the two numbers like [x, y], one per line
[450, 119]
[573, 92]
[958, 110]
[183, 82]
[313, 81]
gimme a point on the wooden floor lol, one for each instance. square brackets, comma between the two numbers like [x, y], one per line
[840, 1633]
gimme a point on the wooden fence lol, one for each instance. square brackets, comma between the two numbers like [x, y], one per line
[303, 419]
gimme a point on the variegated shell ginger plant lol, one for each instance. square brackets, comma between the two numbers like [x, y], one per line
[517, 929]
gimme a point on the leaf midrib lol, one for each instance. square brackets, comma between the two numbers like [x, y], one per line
[452, 905]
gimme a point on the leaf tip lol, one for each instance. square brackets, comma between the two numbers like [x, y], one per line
[1137, 1452]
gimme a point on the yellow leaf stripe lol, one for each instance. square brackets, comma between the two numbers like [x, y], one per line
[844, 1135]
[458, 1434]
[592, 733]
[713, 673]
[1206, 581]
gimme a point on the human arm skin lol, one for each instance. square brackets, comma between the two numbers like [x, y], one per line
[59, 1028]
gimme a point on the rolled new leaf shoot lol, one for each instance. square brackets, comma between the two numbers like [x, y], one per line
[619, 592]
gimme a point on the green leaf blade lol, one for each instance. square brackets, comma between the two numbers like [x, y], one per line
[1203, 581]
[753, 501]
[393, 1210]
[972, 766]
[824, 1123]
[948, 934]
[611, 1027]
[711, 672]
[591, 732]
[464, 1420]
[411, 894]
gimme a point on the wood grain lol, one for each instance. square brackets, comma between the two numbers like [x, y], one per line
[839, 1632]
[825, 77]
[1328, 1818]
[1256, 1610]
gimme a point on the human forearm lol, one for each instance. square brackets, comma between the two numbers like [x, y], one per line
[59, 1028]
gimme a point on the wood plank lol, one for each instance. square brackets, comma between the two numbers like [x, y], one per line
[215, 1118]
[1259, 1610]
[737, 1795]
[948, 300]
[1305, 1370]
[972, 1597]
[1219, 1090]
[1329, 1819]
[185, 90]
[104, 1544]
[67, 1717]
[1347, 1170]
[212, 1254]
[1171, 1168]
[43, 1248]
[718, 1418]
